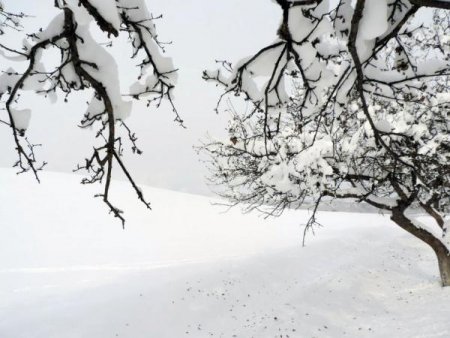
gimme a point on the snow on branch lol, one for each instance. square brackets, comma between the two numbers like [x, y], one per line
[350, 102]
[86, 65]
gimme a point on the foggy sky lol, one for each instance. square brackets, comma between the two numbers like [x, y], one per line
[201, 31]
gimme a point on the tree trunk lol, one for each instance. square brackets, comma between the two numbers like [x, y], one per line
[442, 252]
[444, 267]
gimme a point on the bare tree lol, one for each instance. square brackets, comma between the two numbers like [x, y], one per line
[352, 102]
[85, 64]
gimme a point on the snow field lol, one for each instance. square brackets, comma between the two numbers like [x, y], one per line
[67, 269]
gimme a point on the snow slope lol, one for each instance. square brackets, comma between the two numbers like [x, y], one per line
[185, 269]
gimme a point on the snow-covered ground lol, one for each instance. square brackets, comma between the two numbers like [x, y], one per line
[185, 269]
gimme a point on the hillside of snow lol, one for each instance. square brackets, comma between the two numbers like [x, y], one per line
[187, 269]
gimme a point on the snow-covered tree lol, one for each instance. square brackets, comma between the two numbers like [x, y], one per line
[85, 64]
[351, 102]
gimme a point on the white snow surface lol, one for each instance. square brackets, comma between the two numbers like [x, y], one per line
[67, 269]
[108, 10]
[21, 118]
[374, 22]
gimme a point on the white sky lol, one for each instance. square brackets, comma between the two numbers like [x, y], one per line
[202, 31]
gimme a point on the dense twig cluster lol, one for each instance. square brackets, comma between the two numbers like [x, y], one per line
[9, 20]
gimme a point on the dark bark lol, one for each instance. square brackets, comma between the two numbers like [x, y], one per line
[442, 253]
[101, 22]
[432, 3]
[444, 267]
